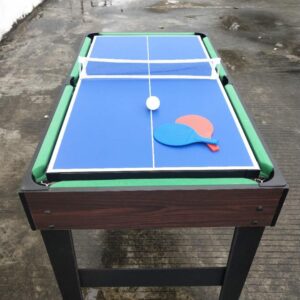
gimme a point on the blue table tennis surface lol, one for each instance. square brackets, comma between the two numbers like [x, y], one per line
[108, 127]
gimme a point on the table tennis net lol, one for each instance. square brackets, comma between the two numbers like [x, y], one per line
[154, 69]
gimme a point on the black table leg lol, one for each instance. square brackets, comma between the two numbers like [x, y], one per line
[243, 248]
[59, 244]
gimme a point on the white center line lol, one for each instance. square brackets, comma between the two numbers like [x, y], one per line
[150, 94]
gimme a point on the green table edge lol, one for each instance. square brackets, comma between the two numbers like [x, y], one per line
[43, 157]
[256, 145]
[157, 182]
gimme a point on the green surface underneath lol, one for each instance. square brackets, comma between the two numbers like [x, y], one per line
[213, 54]
[83, 52]
[258, 149]
[42, 160]
[152, 182]
[44, 155]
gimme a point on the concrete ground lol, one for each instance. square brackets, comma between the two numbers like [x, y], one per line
[259, 43]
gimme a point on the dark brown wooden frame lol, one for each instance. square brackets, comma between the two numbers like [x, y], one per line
[153, 207]
[247, 208]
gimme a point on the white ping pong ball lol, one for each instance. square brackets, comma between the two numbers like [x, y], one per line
[153, 103]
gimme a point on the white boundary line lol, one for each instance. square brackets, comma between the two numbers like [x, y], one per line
[154, 169]
[144, 35]
[214, 61]
[211, 77]
[50, 168]
[151, 113]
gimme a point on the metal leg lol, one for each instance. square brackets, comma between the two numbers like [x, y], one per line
[59, 244]
[243, 248]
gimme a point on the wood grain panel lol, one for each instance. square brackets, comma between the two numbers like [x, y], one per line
[150, 209]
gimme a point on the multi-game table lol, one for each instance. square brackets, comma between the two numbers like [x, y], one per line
[149, 132]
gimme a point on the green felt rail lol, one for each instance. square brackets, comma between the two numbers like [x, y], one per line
[213, 54]
[43, 157]
[258, 149]
[152, 182]
[83, 52]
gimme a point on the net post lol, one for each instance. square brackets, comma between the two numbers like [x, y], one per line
[215, 64]
[83, 61]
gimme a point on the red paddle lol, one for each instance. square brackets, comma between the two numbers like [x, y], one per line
[201, 125]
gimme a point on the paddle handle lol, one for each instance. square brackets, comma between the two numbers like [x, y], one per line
[213, 148]
[207, 140]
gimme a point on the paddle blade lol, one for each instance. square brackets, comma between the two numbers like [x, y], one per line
[175, 134]
[201, 125]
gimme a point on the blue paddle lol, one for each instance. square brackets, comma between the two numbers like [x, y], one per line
[176, 134]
